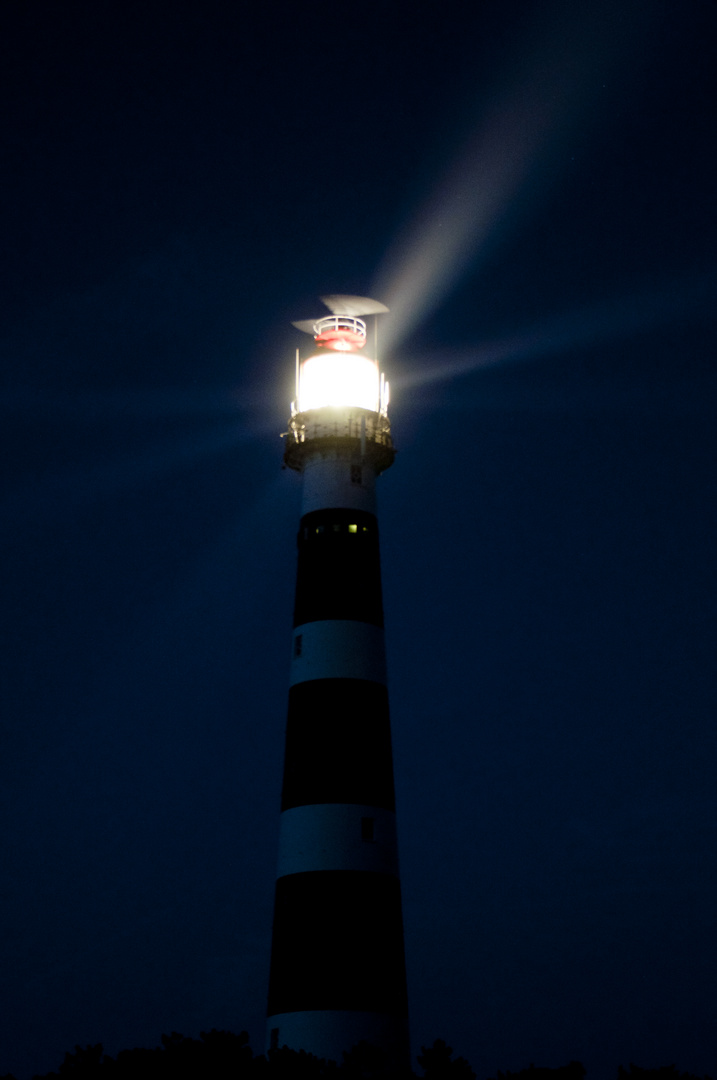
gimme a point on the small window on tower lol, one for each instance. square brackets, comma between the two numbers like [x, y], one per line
[353, 528]
[274, 1039]
[355, 474]
[298, 640]
[367, 828]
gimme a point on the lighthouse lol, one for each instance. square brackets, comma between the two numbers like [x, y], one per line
[337, 973]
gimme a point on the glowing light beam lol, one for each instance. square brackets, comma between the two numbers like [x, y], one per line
[549, 89]
[631, 314]
[62, 491]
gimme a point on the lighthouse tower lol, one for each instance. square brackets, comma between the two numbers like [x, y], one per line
[337, 963]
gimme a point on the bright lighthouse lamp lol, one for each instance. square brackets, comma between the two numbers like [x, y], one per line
[340, 380]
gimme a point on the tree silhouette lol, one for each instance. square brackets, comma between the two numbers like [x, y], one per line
[575, 1070]
[665, 1072]
[438, 1063]
[223, 1055]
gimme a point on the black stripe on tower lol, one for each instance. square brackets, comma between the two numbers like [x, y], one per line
[338, 934]
[338, 745]
[339, 569]
[338, 944]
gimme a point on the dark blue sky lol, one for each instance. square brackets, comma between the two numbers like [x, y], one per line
[179, 183]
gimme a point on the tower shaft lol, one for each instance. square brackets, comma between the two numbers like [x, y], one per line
[337, 967]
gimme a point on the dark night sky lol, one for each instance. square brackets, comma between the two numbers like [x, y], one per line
[179, 183]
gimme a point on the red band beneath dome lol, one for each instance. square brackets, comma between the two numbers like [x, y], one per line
[340, 338]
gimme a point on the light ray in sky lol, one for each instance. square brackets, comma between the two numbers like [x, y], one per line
[553, 85]
[620, 317]
[60, 490]
[158, 403]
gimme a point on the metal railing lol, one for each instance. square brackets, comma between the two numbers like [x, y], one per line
[364, 434]
[340, 322]
[372, 427]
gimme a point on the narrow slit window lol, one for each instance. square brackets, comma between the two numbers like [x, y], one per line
[298, 643]
[356, 474]
[274, 1039]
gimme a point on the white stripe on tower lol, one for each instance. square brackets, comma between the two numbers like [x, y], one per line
[337, 969]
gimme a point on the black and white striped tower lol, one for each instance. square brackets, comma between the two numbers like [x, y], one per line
[337, 963]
